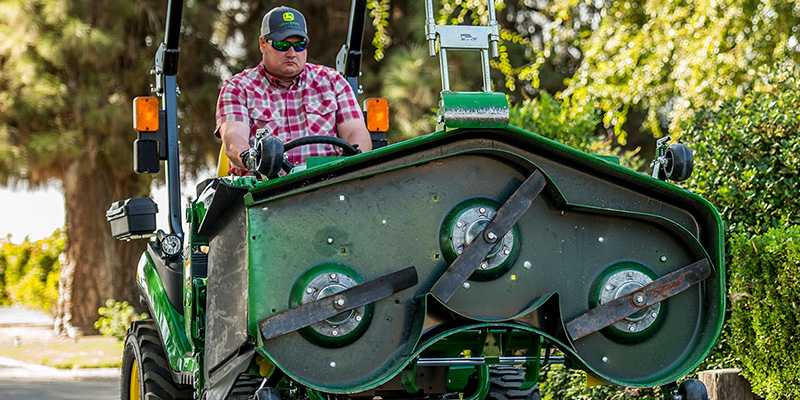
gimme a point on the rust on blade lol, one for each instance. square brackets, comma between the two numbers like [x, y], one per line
[620, 308]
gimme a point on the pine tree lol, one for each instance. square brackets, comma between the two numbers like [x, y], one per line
[68, 72]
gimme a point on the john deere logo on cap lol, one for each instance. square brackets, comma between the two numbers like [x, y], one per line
[288, 16]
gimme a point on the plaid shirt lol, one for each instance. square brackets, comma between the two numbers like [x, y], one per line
[316, 102]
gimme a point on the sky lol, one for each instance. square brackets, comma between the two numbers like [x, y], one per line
[36, 214]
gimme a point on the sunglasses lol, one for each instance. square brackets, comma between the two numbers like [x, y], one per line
[284, 45]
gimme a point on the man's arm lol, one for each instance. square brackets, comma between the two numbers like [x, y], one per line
[235, 139]
[355, 132]
[349, 118]
[233, 122]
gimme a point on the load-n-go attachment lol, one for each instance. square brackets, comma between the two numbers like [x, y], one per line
[484, 109]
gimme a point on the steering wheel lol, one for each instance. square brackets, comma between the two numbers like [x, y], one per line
[270, 152]
[347, 148]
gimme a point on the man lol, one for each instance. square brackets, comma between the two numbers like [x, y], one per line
[287, 96]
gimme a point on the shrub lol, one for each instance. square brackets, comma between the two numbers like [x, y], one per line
[547, 117]
[29, 271]
[115, 318]
[765, 318]
[559, 383]
[747, 154]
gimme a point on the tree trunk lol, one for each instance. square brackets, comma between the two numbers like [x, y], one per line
[726, 384]
[95, 267]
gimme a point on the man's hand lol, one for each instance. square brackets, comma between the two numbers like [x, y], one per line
[355, 132]
[236, 139]
[248, 158]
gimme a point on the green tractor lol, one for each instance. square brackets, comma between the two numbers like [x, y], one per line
[458, 264]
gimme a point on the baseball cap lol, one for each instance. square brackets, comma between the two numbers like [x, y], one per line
[283, 22]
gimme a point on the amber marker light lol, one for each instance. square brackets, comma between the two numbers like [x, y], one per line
[377, 114]
[145, 114]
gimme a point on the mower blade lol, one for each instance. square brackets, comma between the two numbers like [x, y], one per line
[654, 292]
[509, 213]
[357, 296]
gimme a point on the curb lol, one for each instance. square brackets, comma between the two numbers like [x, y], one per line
[11, 368]
[4, 325]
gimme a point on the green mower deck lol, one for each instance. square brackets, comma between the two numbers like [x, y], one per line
[595, 233]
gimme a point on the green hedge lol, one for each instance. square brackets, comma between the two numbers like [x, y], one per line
[747, 158]
[747, 155]
[579, 128]
[29, 272]
[765, 320]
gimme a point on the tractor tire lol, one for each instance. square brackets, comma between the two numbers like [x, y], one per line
[680, 162]
[505, 382]
[145, 369]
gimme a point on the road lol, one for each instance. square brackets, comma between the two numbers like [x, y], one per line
[90, 389]
[22, 381]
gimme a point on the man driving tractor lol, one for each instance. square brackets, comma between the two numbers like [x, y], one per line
[286, 96]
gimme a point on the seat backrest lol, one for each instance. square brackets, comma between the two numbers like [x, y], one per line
[223, 163]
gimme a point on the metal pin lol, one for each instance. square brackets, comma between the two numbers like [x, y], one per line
[601, 239]
[358, 318]
[527, 265]
[335, 333]
[491, 236]
[333, 364]
[460, 224]
[506, 251]
[632, 327]
[609, 287]
[484, 265]
[513, 277]
[383, 222]
[466, 285]
[663, 258]
[562, 212]
[605, 359]
[341, 197]
[654, 315]
[309, 290]
[330, 240]
[332, 276]
[639, 299]
[340, 302]
[482, 210]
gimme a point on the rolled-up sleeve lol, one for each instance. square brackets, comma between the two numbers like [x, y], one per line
[231, 104]
[347, 105]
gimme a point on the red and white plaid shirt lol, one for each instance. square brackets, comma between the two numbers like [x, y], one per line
[316, 102]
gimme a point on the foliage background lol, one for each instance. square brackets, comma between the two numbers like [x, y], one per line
[29, 272]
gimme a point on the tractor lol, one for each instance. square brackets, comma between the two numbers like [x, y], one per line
[458, 264]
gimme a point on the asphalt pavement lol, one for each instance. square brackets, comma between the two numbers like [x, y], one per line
[24, 381]
[89, 389]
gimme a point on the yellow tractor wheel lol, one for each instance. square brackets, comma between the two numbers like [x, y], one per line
[145, 370]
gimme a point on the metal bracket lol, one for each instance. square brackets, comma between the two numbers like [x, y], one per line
[659, 290]
[509, 213]
[327, 307]
[660, 161]
[463, 37]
